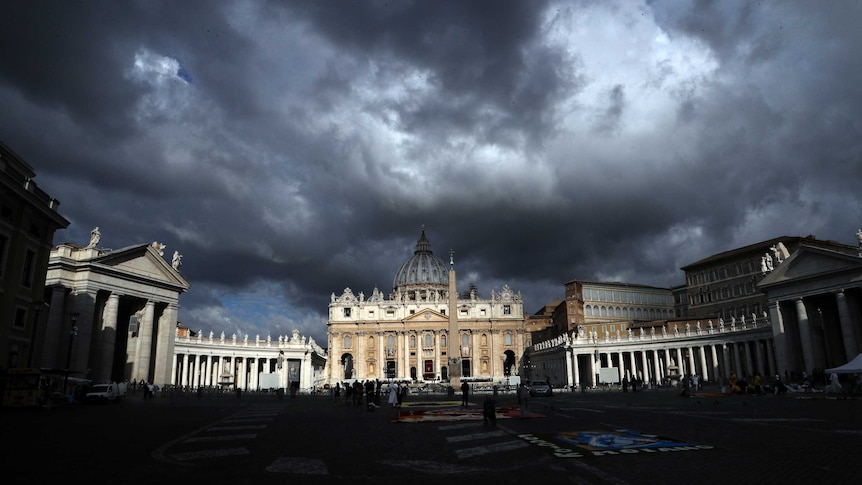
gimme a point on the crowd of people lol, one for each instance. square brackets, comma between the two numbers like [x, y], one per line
[367, 395]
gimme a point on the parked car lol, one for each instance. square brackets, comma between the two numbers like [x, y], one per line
[540, 388]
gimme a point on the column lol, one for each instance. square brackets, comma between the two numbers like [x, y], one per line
[847, 333]
[107, 342]
[725, 358]
[633, 368]
[758, 354]
[740, 372]
[167, 331]
[770, 358]
[576, 371]
[592, 362]
[716, 375]
[644, 375]
[749, 363]
[141, 368]
[704, 370]
[656, 368]
[622, 371]
[779, 337]
[805, 336]
[174, 370]
[692, 367]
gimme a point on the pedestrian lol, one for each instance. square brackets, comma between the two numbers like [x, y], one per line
[625, 384]
[465, 391]
[489, 411]
[524, 399]
[402, 393]
[393, 395]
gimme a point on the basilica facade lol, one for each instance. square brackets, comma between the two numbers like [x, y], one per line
[425, 331]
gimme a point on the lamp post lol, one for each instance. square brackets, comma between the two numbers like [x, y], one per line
[72, 332]
[37, 306]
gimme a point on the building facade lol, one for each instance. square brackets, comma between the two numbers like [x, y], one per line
[763, 309]
[423, 330]
[113, 313]
[606, 309]
[28, 220]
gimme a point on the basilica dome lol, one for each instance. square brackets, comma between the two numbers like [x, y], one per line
[422, 269]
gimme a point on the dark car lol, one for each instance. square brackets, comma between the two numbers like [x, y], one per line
[540, 388]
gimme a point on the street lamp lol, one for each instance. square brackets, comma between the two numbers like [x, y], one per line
[72, 332]
[37, 306]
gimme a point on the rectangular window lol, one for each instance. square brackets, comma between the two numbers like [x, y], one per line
[390, 313]
[29, 268]
[507, 309]
[4, 242]
[371, 313]
[20, 318]
[347, 312]
[482, 312]
[462, 312]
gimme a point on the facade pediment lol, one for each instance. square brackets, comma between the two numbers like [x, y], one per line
[809, 263]
[427, 316]
[143, 261]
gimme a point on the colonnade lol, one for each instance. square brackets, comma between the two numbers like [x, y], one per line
[239, 363]
[712, 353]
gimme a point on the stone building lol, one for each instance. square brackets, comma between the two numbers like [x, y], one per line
[783, 306]
[28, 220]
[113, 313]
[605, 309]
[423, 330]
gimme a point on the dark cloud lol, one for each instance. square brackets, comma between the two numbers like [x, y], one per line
[291, 149]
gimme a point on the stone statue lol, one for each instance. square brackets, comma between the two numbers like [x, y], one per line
[177, 260]
[211, 334]
[859, 237]
[95, 237]
[766, 263]
[159, 247]
[687, 328]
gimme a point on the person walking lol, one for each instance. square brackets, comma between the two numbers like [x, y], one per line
[524, 399]
[393, 395]
[465, 391]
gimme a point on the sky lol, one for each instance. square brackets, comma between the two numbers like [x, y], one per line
[289, 150]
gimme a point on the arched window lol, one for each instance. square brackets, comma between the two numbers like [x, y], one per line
[443, 341]
[465, 340]
[370, 342]
[390, 341]
[508, 338]
[429, 340]
[412, 341]
[484, 339]
[347, 341]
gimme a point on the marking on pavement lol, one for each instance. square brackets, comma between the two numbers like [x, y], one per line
[194, 455]
[583, 409]
[495, 448]
[230, 437]
[431, 467]
[581, 444]
[298, 465]
[475, 436]
[236, 428]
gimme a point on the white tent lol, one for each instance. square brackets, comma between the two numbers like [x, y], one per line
[852, 367]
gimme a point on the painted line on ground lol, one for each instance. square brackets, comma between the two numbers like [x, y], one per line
[237, 428]
[298, 465]
[495, 448]
[194, 455]
[475, 436]
[207, 439]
